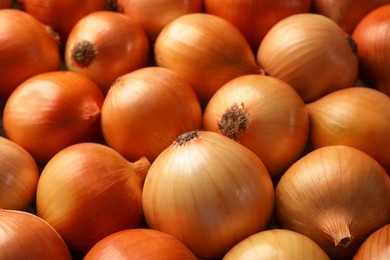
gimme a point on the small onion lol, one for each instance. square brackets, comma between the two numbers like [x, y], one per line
[208, 191]
[376, 246]
[88, 191]
[311, 53]
[335, 195]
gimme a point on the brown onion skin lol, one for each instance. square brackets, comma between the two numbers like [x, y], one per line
[376, 246]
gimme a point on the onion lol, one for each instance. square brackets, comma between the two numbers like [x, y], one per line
[140, 244]
[51, 111]
[335, 195]
[5, 4]
[358, 117]
[25, 236]
[205, 50]
[208, 191]
[264, 114]
[276, 244]
[372, 35]
[88, 191]
[311, 53]
[27, 48]
[145, 110]
[376, 246]
[105, 45]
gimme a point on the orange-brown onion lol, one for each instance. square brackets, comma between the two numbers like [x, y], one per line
[88, 191]
[24, 235]
[335, 195]
[145, 110]
[154, 15]
[51, 111]
[208, 191]
[358, 117]
[376, 246]
[140, 244]
[311, 53]
[255, 17]
[105, 45]
[264, 114]
[18, 176]
[27, 48]
[206, 50]
[372, 35]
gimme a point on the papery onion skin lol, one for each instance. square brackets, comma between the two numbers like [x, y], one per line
[140, 244]
[208, 191]
[376, 246]
[24, 235]
[335, 195]
[88, 191]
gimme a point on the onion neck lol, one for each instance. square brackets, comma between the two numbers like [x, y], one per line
[234, 122]
[141, 168]
[338, 229]
[84, 53]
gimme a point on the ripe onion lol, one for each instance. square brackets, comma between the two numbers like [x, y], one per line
[208, 191]
[141, 244]
[23, 235]
[105, 45]
[358, 117]
[376, 246]
[205, 50]
[311, 53]
[264, 114]
[88, 191]
[145, 110]
[335, 195]
[51, 111]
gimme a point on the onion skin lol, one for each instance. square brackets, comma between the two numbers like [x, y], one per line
[335, 195]
[376, 246]
[5, 4]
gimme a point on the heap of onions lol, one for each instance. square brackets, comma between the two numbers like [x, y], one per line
[311, 53]
[376, 246]
[335, 195]
[208, 191]
[245, 110]
[88, 191]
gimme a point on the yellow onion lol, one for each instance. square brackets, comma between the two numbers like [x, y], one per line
[376, 246]
[205, 50]
[208, 191]
[88, 191]
[311, 53]
[335, 195]
[264, 114]
[358, 117]
[276, 244]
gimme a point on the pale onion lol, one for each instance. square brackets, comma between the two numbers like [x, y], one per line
[28, 47]
[335, 195]
[88, 191]
[145, 110]
[105, 45]
[154, 15]
[205, 50]
[51, 111]
[140, 244]
[24, 235]
[358, 117]
[254, 18]
[264, 114]
[276, 244]
[376, 246]
[311, 53]
[372, 35]
[208, 191]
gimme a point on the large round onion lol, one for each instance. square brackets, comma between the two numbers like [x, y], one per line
[376, 246]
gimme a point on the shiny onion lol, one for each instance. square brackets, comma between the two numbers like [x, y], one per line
[254, 18]
[140, 243]
[376, 246]
[51, 111]
[145, 110]
[28, 47]
[88, 191]
[335, 195]
[105, 45]
[208, 191]
[358, 117]
[276, 244]
[311, 53]
[24, 235]
[372, 35]
[205, 50]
